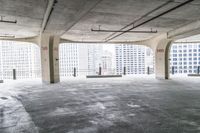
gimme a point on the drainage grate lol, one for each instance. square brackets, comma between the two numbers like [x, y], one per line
[3, 98]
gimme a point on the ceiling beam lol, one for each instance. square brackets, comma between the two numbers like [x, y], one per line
[47, 15]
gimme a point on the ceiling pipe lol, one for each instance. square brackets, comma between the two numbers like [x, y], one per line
[151, 31]
[161, 14]
[145, 15]
[47, 14]
[7, 36]
[87, 42]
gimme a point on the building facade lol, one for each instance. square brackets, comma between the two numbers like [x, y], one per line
[185, 58]
[107, 66]
[73, 56]
[86, 58]
[94, 58]
[134, 58]
[24, 57]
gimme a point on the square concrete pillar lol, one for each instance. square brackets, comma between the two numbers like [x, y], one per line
[50, 58]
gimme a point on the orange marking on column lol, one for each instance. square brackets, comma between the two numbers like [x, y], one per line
[160, 50]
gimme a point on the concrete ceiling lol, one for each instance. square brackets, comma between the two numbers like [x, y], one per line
[73, 19]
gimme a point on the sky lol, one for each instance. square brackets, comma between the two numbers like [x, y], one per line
[109, 47]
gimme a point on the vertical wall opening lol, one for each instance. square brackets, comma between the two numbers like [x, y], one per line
[79, 60]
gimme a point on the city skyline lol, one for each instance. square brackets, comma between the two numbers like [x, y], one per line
[87, 58]
[23, 57]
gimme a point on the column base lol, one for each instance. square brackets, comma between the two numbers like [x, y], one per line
[162, 78]
[49, 82]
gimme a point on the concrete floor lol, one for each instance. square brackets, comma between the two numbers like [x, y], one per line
[137, 105]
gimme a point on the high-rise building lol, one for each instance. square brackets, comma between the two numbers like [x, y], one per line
[86, 58]
[134, 58]
[94, 58]
[107, 66]
[149, 61]
[24, 57]
[185, 57]
[73, 56]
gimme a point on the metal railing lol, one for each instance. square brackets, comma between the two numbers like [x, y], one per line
[20, 74]
[73, 72]
[100, 71]
[174, 70]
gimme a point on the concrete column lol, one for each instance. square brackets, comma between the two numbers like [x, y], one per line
[161, 52]
[50, 58]
[161, 47]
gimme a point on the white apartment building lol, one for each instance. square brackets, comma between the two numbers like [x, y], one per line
[24, 57]
[95, 52]
[73, 56]
[107, 66]
[134, 58]
[86, 58]
[185, 57]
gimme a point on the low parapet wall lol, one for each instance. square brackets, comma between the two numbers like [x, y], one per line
[194, 75]
[103, 76]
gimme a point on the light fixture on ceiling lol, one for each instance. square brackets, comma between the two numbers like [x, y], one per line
[138, 31]
[2, 20]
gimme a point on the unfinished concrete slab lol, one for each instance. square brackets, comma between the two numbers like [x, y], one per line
[137, 105]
